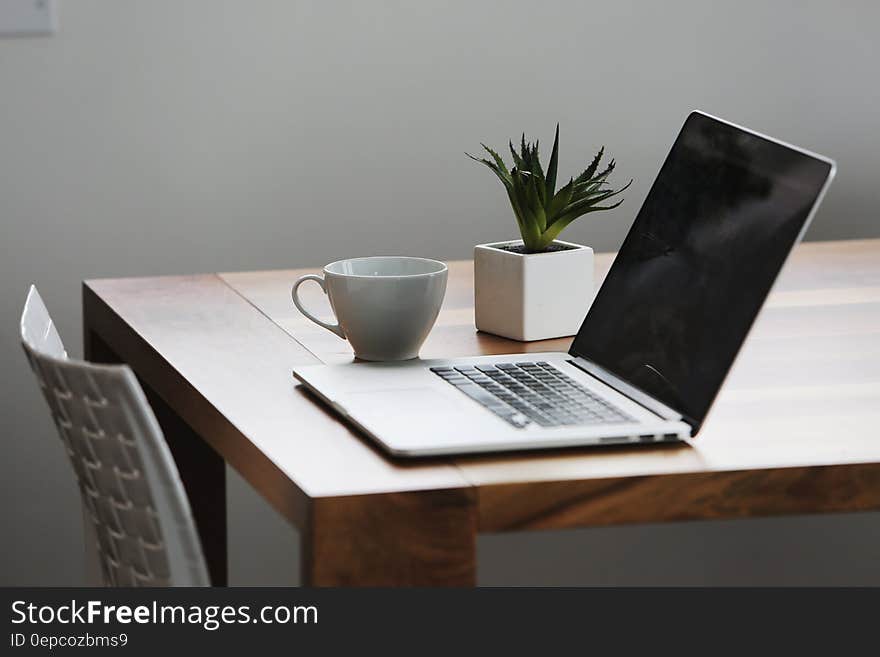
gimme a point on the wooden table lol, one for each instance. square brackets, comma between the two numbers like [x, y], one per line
[795, 429]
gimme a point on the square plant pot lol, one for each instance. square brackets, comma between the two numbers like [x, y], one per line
[532, 296]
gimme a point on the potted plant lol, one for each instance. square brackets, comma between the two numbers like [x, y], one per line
[519, 285]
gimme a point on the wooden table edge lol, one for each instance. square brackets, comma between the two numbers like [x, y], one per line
[109, 338]
[679, 497]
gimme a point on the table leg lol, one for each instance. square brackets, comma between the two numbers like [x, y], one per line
[202, 470]
[425, 538]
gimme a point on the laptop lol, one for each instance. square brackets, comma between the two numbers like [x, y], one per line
[660, 336]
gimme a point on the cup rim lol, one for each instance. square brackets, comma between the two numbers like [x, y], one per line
[441, 267]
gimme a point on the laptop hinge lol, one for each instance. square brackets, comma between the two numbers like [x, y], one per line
[641, 398]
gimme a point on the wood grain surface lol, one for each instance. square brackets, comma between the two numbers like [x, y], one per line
[410, 539]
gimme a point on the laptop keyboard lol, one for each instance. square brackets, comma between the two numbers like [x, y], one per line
[525, 393]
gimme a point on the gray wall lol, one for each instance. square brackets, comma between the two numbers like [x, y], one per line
[160, 137]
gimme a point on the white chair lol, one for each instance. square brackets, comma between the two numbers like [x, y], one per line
[131, 491]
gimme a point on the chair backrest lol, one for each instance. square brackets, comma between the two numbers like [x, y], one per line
[129, 483]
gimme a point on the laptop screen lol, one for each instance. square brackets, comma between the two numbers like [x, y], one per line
[697, 264]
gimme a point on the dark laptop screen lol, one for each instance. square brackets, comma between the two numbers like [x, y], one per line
[698, 262]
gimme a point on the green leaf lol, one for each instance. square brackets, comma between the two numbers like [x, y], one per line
[588, 186]
[504, 177]
[537, 181]
[531, 223]
[592, 200]
[550, 183]
[489, 164]
[559, 202]
[530, 161]
[498, 161]
[536, 163]
[581, 192]
[517, 212]
[606, 171]
[590, 170]
[517, 160]
[562, 223]
[535, 190]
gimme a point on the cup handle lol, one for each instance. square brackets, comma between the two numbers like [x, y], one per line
[335, 328]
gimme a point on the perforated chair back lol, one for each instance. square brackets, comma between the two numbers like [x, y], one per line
[130, 487]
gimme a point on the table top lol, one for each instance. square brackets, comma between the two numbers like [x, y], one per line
[795, 428]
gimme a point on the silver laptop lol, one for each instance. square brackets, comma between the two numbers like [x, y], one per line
[660, 337]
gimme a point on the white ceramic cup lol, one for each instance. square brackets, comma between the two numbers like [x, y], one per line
[385, 306]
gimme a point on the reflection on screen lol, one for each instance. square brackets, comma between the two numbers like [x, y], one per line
[699, 261]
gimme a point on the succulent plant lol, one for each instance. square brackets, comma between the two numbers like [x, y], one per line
[541, 211]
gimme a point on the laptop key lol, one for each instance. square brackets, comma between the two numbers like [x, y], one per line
[511, 416]
[518, 420]
[476, 393]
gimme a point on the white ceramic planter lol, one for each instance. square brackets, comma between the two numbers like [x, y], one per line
[533, 296]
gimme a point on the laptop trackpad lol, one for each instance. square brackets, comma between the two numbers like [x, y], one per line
[424, 403]
[417, 417]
